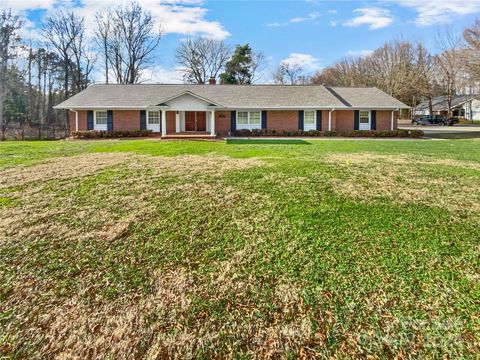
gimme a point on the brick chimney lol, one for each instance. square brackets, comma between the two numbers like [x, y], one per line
[212, 81]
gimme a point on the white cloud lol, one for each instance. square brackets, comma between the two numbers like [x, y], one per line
[332, 11]
[431, 12]
[306, 61]
[374, 17]
[359, 53]
[310, 17]
[186, 17]
[24, 5]
[333, 23]
[159, 74]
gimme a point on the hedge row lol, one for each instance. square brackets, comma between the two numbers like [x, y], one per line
[399, 133]
[96, 134]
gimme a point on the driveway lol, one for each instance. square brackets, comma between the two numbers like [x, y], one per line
[464, 131]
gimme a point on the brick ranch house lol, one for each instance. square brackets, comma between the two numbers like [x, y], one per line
[216, 110]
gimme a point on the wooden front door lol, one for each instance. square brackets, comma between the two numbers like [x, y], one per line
[195, 121]
[189, 120]
[201, 121]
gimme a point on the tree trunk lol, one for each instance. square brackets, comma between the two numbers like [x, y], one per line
[67, 118]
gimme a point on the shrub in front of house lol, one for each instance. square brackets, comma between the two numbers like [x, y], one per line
[112, 134]
[399, 133]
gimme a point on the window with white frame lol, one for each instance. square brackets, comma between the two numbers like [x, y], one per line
[249, 119]
[309, 120]
[101, 117]
[154, 117]
[309, 117]
[255, 118]
[242, 118]
[364, 117]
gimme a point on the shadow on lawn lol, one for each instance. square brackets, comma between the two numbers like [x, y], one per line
[267, 141]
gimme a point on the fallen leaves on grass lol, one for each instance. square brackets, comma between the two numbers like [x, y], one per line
[404, 179]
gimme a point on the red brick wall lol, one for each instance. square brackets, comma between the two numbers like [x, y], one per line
[278, 120]
[325, 120]
[384, 118]
[344, 120]
[126, 119]
[282, 120]
[222, 123]
[82, 121]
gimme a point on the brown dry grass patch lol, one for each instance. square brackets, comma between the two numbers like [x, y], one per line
[157, 324]
[405, 179]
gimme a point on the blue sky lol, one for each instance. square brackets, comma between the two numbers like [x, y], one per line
[314, 33]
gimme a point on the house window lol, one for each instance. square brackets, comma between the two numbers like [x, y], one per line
[309, 117]
[242, 118]
[255, 118]
[101, 118]
[153, 117]
[364, 117]
[249, 119]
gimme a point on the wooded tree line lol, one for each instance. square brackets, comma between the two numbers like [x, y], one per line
[409, 72]
[37, 74]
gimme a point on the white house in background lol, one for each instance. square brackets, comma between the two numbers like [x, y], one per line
[463, 106]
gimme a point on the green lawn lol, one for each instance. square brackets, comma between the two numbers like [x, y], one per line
[150, 249]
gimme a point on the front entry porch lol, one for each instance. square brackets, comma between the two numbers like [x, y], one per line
[188, 124]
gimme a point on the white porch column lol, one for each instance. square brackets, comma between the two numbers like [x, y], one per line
[212, 123]
[330, 120]
[164, 123]
[177, 121]
[391, 120]
[76, 119]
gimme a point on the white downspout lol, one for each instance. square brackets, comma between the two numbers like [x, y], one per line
[391, 120]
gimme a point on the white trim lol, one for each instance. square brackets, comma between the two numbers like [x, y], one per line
[164, 122]
[99, 127]
[367, 126]
[248, 126]
[177, 121]
[233, 107]
[391, 120]
[310, 126]
[330, 120]
[188, 92]
[153, 127]
[212, 122]
[76, 119]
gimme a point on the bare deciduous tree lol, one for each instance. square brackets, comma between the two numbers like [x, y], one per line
[402, 69]
[202, 59]
[288, 73]
[472, 37]
[65, 33]
[128, 39]
[450, 62]
[102, 35]
[9, 38]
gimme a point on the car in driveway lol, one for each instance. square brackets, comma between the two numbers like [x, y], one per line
[433, 120]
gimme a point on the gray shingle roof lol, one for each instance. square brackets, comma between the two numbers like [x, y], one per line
[367, 97]
[440, 103]
[231, 96]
